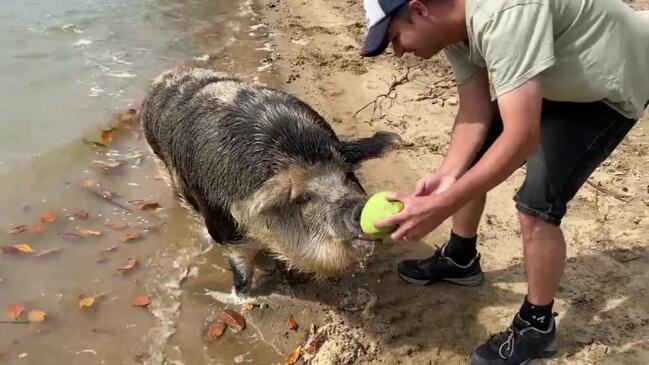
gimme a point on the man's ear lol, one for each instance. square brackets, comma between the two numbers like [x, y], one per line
[278, 191]
[418, 7]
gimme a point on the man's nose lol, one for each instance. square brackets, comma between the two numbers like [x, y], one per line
[398, 50]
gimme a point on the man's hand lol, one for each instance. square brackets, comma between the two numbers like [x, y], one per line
[434, 183]
[421, 214]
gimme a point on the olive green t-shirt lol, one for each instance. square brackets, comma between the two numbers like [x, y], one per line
[584, 50]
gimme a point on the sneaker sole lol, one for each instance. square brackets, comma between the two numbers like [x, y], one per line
[473, 280]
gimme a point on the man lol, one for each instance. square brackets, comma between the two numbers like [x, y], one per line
[570, 77]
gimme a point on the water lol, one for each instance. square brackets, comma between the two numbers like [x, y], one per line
[67, 68]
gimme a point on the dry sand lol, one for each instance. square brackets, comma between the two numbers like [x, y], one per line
[373, 317]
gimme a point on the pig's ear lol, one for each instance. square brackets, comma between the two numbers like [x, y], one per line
[279, 191]
[359, 150]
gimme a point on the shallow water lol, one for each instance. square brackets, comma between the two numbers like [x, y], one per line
[67, 67]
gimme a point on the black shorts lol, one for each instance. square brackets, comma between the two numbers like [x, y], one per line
[575, 139]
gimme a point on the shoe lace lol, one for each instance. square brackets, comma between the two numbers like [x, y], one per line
[508, 338]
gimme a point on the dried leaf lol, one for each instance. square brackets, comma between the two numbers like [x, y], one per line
[128, 264]
[89, 183]
[46, 251]
[248, 306]
[36, 315]
[109, 249]
[312, 343]
[214, 330]
[37, 228]
[292, 323]
[9, 250]
[18, 229]
[107, 136]
[141, 300]
[48, 217]
[236, 323]
[293, 357]
[144, 204]
[71, 236]
[89, 232]
[131, 236]
[87, 302]
[15, 310]
[116, 226]
[24, 247]
[81, 214]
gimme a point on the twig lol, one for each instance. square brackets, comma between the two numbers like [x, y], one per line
[376, 103]
[622, 197]
[107, 196]
[14, 322]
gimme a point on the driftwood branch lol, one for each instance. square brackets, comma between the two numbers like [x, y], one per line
[621, 197]
[376, 103]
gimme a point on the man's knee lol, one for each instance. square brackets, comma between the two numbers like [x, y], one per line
[532, 226]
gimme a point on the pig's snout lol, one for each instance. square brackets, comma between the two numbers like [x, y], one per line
[356, 214]
[354, 217]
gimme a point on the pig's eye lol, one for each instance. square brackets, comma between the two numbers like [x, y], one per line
[304, 198]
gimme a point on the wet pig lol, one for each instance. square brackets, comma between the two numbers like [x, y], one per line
[264, 170]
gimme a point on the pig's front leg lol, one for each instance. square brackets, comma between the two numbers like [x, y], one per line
[242, 263]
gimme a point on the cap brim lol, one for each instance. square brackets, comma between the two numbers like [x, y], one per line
[376, 40]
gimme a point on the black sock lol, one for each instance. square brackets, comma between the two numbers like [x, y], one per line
[540, 316]
[460, 249]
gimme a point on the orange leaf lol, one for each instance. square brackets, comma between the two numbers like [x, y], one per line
[89, 183]
[128, 264]
[36, 316]
[214, 330]
[46, 251]
[37, 228]
[15, 310]
[87, 302]
[71, 236]
[18, 229]
[132, 236]
[89, 232]
[292, 324]
[107, 136]
[144, 204]
[48, 217]
[293, 357]
[141, 300]
[234, 320]
[248, 306]
[24, 247]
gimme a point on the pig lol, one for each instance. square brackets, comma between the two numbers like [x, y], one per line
[265, 171]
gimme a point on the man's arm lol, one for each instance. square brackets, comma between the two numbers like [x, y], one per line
[472, 122]
[521, 114]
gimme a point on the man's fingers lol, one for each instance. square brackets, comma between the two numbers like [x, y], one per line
[396, 196]
[395, 220]
[401, 233]
[420, 188]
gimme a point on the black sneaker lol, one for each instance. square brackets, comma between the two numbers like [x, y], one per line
[441, 268]
[519, 345]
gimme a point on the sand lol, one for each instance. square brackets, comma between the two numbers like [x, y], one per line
[373, 317]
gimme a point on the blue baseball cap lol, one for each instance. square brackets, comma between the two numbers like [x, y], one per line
[379, 15]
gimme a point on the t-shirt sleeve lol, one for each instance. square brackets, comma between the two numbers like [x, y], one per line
[517, 44]
[463, 69]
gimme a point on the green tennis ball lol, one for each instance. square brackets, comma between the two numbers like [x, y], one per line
[377, 208]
